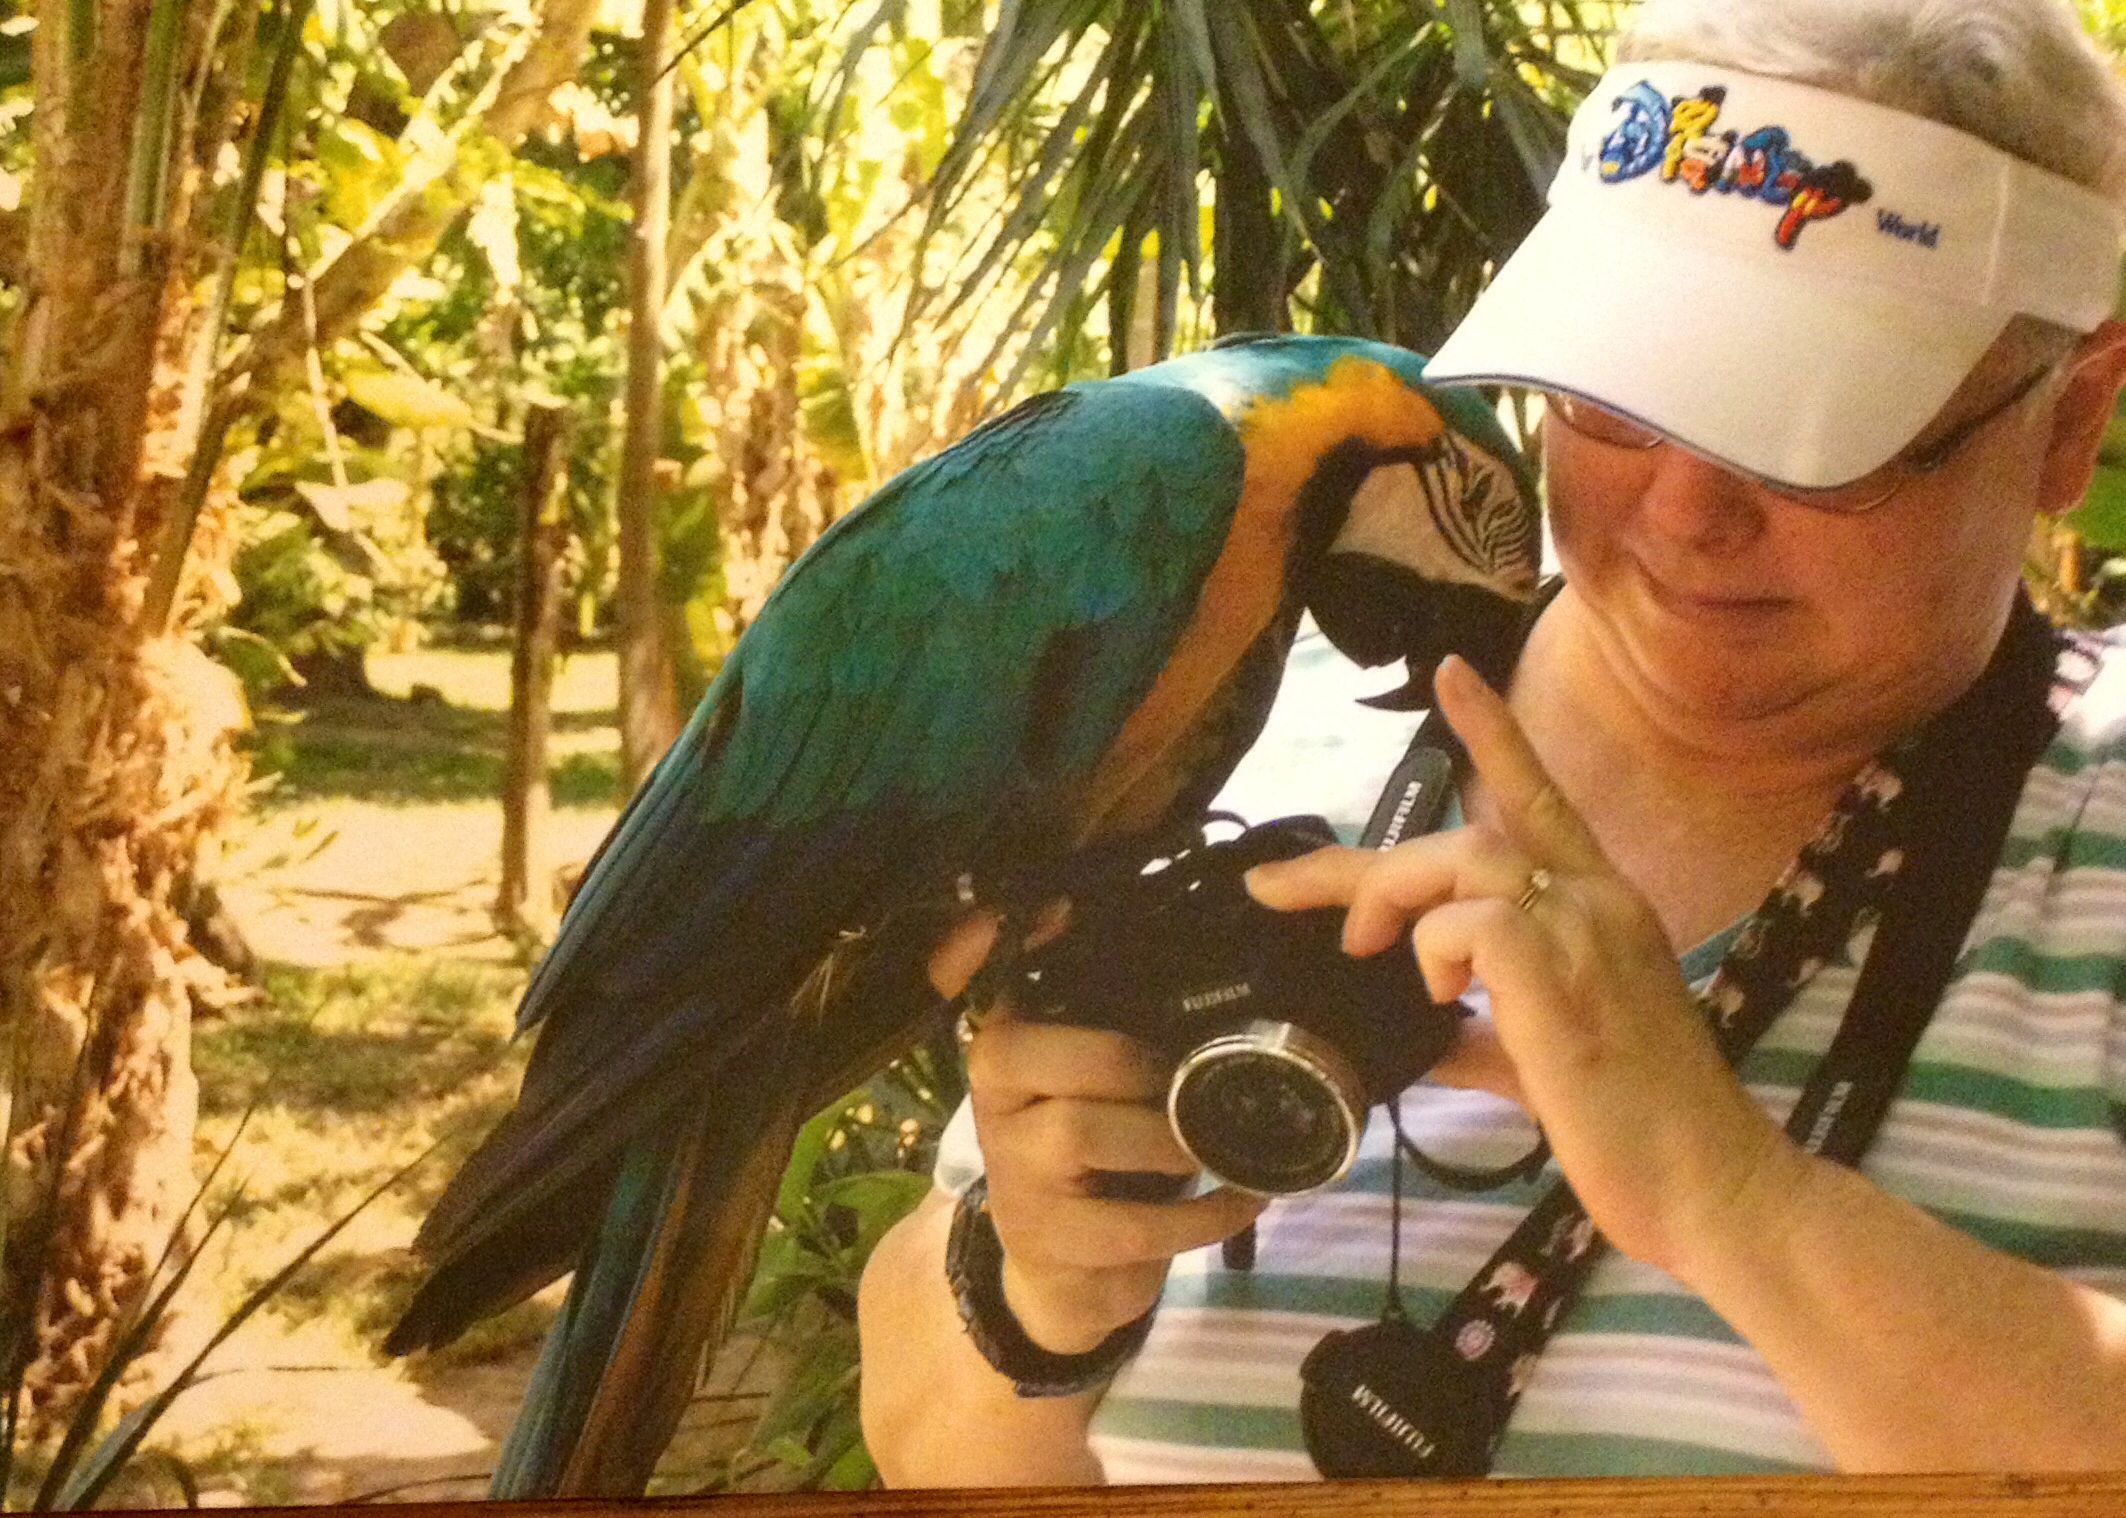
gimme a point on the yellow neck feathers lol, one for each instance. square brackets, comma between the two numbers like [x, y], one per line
[1357, 401]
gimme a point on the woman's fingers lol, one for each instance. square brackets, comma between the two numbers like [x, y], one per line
[1493, 942]
[1325, 878]
[1531, 808]
[962, 952]
[1478, 1062]
[1381, 891]
[1088, 1233]
[1087, 1184]
[1385, 890]
[1144, 1232]
[1068, 1141]
[1012, 1063]
[1469, 864]
[1053, 1168]
[966, 947]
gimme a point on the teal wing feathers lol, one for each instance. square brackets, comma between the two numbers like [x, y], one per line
[942, 665]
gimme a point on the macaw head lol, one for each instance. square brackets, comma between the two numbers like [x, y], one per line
[1414, 525]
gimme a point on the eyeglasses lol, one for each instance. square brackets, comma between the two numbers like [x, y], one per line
[1864, 494]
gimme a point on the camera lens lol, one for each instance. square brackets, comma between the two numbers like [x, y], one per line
[1271, 1109]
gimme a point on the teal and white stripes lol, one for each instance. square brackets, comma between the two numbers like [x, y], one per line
[2011, 1126]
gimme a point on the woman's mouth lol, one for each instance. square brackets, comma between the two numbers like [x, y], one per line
[1710, 603]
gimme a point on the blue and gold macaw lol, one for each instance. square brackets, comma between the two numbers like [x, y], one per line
[1058, 635]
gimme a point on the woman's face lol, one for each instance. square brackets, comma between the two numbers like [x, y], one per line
[1733, 612]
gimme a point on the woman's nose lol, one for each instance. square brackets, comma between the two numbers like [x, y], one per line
[1699, 503]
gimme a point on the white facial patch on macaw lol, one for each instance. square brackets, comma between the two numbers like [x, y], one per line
[1457, 517]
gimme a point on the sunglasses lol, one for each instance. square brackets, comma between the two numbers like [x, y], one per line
[1864, 494]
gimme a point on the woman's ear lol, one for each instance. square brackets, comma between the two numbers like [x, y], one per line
[2096, 370]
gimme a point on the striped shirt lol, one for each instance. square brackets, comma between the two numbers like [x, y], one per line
[2010, 1125]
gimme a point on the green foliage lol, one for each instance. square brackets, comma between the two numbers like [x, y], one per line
[552, 333]
[2093, 595]
[327, 568]
[1370, 162]
[803, 132]
[367, 1063]
[889, 216]
[2106, 19]
[2101, 521]
[859, 1166]
[401, 752]
[93, 1452]
[519, 301]
[405, 400]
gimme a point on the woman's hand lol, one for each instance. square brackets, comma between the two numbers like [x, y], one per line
[1066, 1118]
[1592, 1028]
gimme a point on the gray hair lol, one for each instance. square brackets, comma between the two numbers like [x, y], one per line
[2020, 74]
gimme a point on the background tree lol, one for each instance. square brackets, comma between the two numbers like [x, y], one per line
[116, 727]
[525, 907]
[1367, 164]
[282, 280]
[649, 700]
[117, 529]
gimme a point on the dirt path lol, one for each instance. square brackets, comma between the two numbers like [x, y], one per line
[393, 1000]
[293, 1412]
[380, 880]
[299, 1410]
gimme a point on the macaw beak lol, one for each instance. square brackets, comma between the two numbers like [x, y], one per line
[1429, 554]
[1376, 611]
[1412, 696]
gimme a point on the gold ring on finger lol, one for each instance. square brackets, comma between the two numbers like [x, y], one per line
[1538, 883]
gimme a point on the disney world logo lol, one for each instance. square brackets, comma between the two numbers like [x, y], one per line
[1676, 138]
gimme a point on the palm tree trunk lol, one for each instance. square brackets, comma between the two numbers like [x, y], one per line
[779, 496]
[117, 735]
[649, 709]
[434, 197]
[1247, 293]
[774, 492]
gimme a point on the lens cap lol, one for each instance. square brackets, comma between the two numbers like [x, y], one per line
[1391, 1399]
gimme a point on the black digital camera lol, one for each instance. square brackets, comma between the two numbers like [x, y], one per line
[1280, 1041]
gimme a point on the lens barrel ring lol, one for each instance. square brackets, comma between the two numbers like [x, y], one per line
[1323, 1066]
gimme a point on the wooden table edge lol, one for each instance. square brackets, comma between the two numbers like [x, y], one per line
[2101, 1495]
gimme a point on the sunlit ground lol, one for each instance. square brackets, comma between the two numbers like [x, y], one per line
[365, 881]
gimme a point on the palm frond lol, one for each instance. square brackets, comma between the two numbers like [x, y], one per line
[1404, 145]
[143, 1323]
[85, 1485]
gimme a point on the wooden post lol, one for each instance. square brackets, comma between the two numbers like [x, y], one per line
[649, 701]
[523, 905]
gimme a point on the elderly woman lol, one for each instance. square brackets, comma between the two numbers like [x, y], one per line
[1820, 307]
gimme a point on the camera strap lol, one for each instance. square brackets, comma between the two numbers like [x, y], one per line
[1930, 816]
[1412, 804]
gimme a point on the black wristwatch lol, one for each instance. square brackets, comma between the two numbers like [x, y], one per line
[974, 1265]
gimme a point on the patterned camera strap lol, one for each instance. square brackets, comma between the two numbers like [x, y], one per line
[1930, 813]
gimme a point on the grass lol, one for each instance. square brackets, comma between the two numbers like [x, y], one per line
[331, 756]
[349, 1073]
[352, 1069]
[479, 677]
[359, 1041]
[352, 1063]
[437, 731]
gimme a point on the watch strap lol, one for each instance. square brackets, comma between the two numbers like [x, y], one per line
[974, 1266]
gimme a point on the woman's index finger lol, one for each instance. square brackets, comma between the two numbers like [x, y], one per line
[1532, 809]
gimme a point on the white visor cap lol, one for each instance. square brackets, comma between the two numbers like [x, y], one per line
[1788, 281]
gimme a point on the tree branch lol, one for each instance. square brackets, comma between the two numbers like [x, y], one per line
[425, 208]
